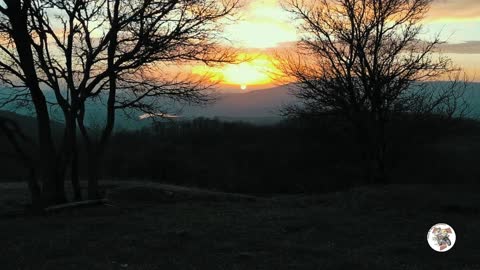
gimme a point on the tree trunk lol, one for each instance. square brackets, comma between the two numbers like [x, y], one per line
[93, 171]
[60, 193]
[378, 173]
[12, 131]
[371, 134]
[51, 186]
[96, 150]
[77, 189]
[35, 192]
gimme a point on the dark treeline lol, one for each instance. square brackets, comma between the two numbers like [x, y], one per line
[289, 157]
[366, 63]
[293, 156]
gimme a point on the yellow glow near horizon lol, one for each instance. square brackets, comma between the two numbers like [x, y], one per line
[264, 25]
[253, 69]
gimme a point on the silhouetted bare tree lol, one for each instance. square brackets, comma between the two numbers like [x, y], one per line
[120, 52]
[17, 69]
[19, 140]
[364, 59]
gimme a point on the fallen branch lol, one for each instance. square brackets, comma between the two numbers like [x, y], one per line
[64, 206]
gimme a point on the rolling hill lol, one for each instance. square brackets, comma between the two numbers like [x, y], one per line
[258, 106]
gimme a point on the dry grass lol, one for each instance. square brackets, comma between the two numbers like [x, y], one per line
[364, 228]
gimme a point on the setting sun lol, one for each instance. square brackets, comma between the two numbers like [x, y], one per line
[264, 26]
[253, 69]
[247, 73]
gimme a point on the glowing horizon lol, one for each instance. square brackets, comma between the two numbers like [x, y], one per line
[264, 25]
[253, 69]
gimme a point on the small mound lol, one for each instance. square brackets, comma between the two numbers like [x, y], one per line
[170, 194]
[420, 197]
[143, 195]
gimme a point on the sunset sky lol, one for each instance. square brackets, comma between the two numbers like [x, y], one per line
[264, 26]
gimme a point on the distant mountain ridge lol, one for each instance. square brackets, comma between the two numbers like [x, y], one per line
[28, 124]
[258, 106]
[257, 103]
[268, 102]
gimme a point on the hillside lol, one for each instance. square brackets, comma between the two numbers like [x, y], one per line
[27, 123]
[362, 228]
[258, 106]
[258, 103]
[266, 103]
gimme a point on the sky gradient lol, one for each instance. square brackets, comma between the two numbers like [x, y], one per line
[265, 25]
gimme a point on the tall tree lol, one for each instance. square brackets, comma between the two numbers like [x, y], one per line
[123, 53]
[19, 141]
[366, 60]
[18, 69]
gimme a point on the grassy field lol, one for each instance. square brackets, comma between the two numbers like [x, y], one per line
[146, 227]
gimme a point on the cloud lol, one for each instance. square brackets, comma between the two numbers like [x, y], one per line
[159, 115]
[263, 24]
[455, 9]
[469, 47]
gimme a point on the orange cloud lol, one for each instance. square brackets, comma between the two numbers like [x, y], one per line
[469, 47]
[263, 24]
[455, 10]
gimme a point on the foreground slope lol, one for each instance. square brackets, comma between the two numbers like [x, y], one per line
[363, 228]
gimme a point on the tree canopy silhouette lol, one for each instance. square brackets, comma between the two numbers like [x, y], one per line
[119, 52]
[366, 60]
